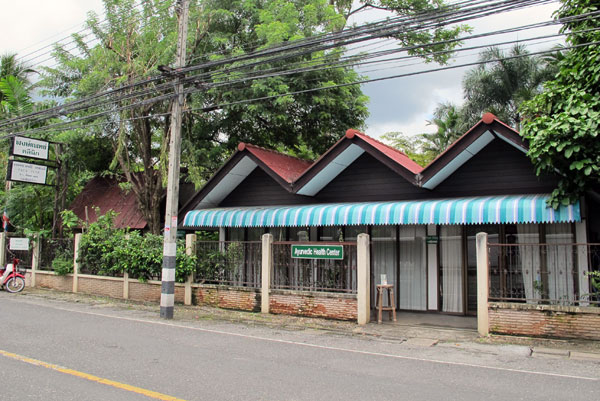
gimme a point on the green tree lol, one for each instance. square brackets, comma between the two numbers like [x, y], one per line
[562, 123]
[135, 40]
[502, 83]
[450, 126]
[411, 145]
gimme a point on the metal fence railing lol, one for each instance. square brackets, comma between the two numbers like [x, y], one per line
[24, 256]
[54, 251]
[556, 274]
[229, 263]
[314, 274]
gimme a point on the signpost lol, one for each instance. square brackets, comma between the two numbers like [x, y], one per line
[19, 244]
[335, 252]
[28, 147]
[26, 172]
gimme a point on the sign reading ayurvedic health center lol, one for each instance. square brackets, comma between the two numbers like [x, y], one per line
[27, 147]
[318, 251]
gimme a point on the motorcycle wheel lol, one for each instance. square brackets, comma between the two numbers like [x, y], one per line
[15, 284]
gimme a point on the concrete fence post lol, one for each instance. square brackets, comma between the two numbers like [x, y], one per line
[76, 262]
[190, 250]
[363, 278]
[266, 269]
[483, 326]
[35, 258]
[3, 249]
[126, 276]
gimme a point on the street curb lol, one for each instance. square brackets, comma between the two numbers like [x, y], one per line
[585, 356]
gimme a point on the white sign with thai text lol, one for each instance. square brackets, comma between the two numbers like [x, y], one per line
[27, 172]
[28, 147]
[19, 244]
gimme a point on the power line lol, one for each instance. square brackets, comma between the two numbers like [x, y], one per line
[134, 104]
[263, 98]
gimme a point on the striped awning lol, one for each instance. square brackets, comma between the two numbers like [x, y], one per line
[473, 210]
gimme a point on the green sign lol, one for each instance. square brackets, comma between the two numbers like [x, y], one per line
[432, 239]
[318, 251]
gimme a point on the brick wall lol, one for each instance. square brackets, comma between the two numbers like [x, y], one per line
[105, 286]
[314, 304]
[50, 280]
[227, 297]
[545, 320]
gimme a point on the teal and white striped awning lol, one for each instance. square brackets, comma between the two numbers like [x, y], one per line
[474, 210]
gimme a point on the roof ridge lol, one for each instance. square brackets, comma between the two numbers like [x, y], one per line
[243, 145]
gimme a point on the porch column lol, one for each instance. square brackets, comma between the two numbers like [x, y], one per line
[363, 268]
[267, 268]
[582, 260]
[482, 284]
[432, 269]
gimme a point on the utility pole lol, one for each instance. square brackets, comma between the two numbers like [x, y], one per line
[167, 292]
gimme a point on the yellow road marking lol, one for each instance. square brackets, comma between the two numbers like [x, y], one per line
[72, 372]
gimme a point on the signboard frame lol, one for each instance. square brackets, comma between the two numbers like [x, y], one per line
[315, 251]
[10, 168]
[34, 142]
[18, 244]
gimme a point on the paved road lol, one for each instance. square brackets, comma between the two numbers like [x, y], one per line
[53, 350]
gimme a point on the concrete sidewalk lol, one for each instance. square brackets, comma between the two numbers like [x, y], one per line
[412, 329]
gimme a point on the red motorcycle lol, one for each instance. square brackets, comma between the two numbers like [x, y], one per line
[12, 280]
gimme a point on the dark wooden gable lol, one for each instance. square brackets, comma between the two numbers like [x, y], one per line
[368, 179]
[259, 189]
[497, 169]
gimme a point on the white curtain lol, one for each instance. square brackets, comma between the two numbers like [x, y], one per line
[529, 259]
[559, 261]
[451, 259]
[413, 265]
[384, 254]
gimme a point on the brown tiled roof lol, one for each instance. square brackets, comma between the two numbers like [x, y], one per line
[105, 194]
[287, 167]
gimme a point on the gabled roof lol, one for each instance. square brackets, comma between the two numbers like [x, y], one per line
[284, 169]
[467, 146]
[301, 177]
[345, 152]
[287, 167]
[104, 193]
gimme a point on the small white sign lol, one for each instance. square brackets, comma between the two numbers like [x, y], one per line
[28, 147]
[27, 172]
[19, 244]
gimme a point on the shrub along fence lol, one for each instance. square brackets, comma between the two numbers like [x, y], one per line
[128, 265]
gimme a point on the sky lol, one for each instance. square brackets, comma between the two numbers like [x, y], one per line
[402, 104]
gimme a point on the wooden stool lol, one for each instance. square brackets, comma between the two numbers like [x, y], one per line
[391, 303]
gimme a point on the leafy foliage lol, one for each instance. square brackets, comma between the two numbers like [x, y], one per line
[108, 251]
[562, 123]
[502, 83]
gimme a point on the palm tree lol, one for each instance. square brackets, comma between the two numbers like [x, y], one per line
[14, 97]
[15, 86]
[450, 126]
[501, 83]
[10, 66]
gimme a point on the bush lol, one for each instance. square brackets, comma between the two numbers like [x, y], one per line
[62, 264]
[108, 251]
